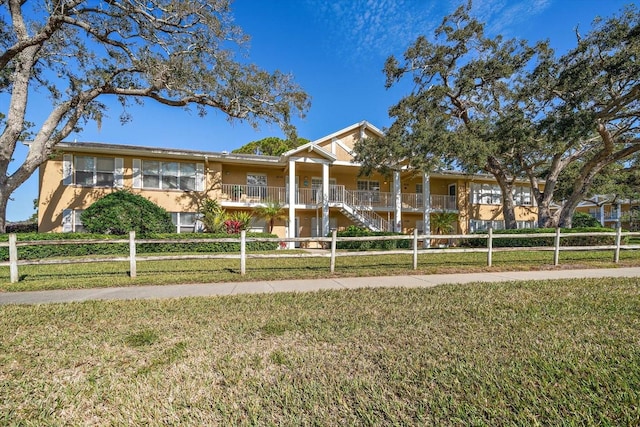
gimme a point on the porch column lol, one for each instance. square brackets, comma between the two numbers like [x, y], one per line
[602, 214]
[292, 201]
[619, 214]
[426, 197]
[325, 199]
[397, 202]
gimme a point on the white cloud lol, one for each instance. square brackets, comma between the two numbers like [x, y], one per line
[372, 28]
[375, 29]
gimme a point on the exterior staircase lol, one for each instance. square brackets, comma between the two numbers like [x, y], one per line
[361, 213]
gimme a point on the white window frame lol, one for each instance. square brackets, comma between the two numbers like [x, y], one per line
[71, 222]
[178, 220]
[171, 175]
[70, 171]
[138, 175]
[255, 187]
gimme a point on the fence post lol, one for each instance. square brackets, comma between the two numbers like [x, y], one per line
[490, 247]
[556, 249]
[415, 249]
[616, 255]
[13, 258]
[132, 254]
[334, 234]
[243, 252]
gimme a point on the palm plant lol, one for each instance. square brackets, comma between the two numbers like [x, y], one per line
[271, 211]
[213, 216]
[443, 223]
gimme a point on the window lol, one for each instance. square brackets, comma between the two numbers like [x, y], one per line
[491, 194]
[91, 171]
[71, 221]
[522, 196]
[486, 194]
[257, 185]
[257, 225]
[186, 222]
[483, 225]
[316, 187]
[169, 175]
[368, 191]
[419, 196]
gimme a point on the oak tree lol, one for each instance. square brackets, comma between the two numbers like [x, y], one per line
[72, 54]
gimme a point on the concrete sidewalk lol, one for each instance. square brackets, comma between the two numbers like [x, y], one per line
[303, 285]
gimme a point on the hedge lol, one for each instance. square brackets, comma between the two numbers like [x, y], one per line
[122, 249]
[372, 244]
[593, 240]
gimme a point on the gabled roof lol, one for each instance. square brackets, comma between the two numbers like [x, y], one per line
[360, 125]
[309, 147]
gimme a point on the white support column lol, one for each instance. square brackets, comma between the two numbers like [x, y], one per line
[292, 201]
[426, 197]
[397, 202]
[602, 215]
[325, 199]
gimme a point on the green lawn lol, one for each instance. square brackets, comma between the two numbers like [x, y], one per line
[536, 353]
[197, 271]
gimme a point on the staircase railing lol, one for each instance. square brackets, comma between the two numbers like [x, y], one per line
[363, 213]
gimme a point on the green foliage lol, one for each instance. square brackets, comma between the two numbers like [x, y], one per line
[123, 211]
[111, 52]
[238, 221]
[29, 226]
[270, 146]
[582, 220]
[354, 231]
[594, 239]
[444, 222]
[90, 249]
[217, 220]
[213, 216]
[271, 212]
[502, 107]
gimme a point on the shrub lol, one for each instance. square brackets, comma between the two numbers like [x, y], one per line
[594, 239]
[582, 219]
[213, 216]
[122, 211]
[354, 231]
[79, 249]
[22, 227]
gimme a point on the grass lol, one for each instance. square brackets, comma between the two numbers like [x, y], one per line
[525, 353]
[110, 274]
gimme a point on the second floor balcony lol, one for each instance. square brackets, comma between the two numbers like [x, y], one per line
[250, 195]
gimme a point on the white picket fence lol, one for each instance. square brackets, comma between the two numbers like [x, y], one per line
[420, 244]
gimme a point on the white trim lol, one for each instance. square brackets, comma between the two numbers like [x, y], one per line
[118, 173]
[137, 173]
[67, 169]
[309, 160]
[67, 221]
[200, 177]
[345, 147]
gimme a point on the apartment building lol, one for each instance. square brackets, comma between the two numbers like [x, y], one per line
[318, 185]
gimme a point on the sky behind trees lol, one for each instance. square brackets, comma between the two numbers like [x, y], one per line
[336, 51]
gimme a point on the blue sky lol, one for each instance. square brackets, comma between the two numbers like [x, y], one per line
[336, 51]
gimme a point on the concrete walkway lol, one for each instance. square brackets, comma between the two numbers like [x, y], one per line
[303, 285]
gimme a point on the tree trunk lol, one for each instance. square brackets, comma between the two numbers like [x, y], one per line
[508, 211]
[506, 186]
[4, 199]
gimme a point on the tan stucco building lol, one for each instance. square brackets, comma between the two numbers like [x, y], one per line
[317, 183]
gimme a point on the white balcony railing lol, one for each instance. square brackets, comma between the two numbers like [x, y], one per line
[255, 194]
[443, 203]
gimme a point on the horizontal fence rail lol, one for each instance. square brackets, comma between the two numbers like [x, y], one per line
[420, 244]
